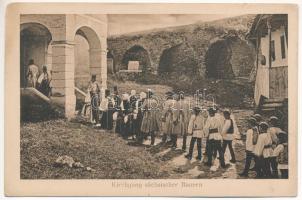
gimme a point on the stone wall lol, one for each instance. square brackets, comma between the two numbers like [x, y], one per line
[186, 46]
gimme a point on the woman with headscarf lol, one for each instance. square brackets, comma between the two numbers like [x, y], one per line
[131, 115]
[138, 117]
[126, 112]
[167, 116]
[44, 80]
[106, 108]
[117, 112]
[184, 107]
[150, 123]
[180, 122]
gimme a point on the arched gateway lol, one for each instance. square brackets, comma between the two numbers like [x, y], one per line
[50, 40]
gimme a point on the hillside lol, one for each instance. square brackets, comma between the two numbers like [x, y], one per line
[239, 23]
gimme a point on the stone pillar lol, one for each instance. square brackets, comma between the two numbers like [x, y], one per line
[49, 57]
[63, 76]
[98, 65]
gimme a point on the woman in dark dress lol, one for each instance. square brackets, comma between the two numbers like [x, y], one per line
[44, 81]
[118, 111]
[138, 117]
[107, 116]
[150, 124]
[126, 121]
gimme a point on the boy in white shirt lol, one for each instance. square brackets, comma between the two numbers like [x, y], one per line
[263, 151]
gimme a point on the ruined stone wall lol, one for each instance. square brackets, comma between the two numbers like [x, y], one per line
[243, 58]
[189, 44]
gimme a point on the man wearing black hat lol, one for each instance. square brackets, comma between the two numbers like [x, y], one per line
[228, 134]
[263, 152]
[195, 127]
[94, 90]
[212, 129]
[251, 139]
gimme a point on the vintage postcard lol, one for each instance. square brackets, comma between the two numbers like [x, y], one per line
[151, 99]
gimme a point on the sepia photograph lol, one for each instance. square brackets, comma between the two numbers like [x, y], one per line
[188, 96]
[163, 96]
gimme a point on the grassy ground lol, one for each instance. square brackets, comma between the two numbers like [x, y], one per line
[110, 156]
[43, 142]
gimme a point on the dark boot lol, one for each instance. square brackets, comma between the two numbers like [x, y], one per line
[184, 142]
[152, 138]
[188, 156]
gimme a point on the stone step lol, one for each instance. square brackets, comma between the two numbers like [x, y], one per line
[272, 105]
[274, 100]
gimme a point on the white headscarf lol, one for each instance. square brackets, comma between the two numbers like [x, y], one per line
[125, 96]
[133, 92]
[143, 95]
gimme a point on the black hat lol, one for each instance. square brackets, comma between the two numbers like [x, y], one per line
[273, 118]
[149, 93]
[211, 110]
[257, 116]
[226, 112]
[216, 107]
[197, 109]
[264, 125]
[282, 137]
[169, 93]
[252, 120]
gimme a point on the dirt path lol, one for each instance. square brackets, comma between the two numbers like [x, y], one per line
[177, 166]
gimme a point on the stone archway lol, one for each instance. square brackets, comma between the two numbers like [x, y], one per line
[136, 53]
[218, 60]
[178, 59]
[87, 52]
[34, 44]
[229, 58]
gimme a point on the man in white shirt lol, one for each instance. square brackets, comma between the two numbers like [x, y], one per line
[195, 128]
[273, 130]
[32, 74]
[228, 134]
[263, 151]
[212, 129]
[251, 134]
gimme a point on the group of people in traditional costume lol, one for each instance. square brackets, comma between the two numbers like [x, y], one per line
[128, 115]
[218, 131]
[42, 81]
[267, 145]
[139, 116]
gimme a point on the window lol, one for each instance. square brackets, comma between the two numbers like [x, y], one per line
[273, 54]
[282, 39]
[133, 65]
